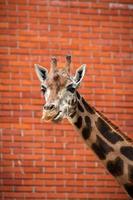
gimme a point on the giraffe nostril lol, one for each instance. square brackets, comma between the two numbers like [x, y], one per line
[52, 107]
[49, 107]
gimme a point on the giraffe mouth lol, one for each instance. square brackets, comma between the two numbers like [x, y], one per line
[52, 115]
[57, 117]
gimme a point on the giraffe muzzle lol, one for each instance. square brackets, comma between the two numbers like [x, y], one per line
[48, 115]
[49, 112]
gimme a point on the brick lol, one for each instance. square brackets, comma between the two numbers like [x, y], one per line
[4, 25]
[46, 161]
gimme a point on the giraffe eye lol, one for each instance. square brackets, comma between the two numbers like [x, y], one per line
[43, 89]
[70, 88]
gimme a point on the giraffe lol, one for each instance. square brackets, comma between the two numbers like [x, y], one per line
[110, 145]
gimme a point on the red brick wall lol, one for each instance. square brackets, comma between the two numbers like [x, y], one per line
[46, 161]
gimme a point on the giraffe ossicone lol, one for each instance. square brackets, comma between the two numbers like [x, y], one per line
[111, 146]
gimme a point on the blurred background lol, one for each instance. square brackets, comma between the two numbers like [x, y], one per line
[43, 160]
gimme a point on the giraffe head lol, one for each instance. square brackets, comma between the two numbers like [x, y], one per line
[59, 89]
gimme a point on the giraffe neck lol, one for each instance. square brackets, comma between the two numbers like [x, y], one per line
[111, 146]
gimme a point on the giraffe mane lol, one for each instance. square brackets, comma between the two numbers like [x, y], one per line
[116, 128]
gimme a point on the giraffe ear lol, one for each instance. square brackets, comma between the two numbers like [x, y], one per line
[41, 72]
[80, 72]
